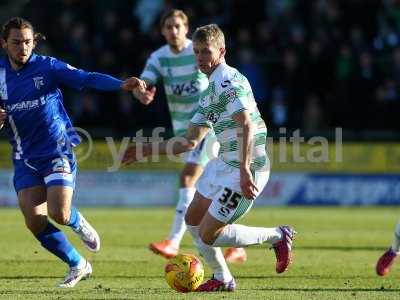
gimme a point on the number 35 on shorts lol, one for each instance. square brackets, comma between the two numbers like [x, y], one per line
[230, 206]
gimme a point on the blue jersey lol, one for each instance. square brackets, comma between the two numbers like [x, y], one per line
[37, 124]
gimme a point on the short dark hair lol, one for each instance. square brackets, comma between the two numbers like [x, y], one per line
[174, 13]
[20, 23]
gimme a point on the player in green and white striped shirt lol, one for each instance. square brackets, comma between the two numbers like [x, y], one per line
[230, 183]
[175, 65]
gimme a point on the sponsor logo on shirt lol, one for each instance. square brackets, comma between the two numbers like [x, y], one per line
[26, 105]
[187, 88]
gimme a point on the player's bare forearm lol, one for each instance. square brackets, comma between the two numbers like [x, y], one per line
[173, 146]
[245, 141]
[176, 145]
[179, 145]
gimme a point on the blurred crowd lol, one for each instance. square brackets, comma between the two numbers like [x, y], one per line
[313, 64]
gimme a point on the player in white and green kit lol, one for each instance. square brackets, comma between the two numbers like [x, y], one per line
[175, 65]
[230, 183]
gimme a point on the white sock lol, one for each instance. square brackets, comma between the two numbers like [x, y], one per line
[212, 255]
[396, 240]
[178, 227]
[236, 235]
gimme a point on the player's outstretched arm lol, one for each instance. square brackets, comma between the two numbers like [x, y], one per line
[106, 82]
[173, 146]
[245, 140]
[3, 117]
[78, 78]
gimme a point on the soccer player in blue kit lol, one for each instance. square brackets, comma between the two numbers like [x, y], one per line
[42, 137]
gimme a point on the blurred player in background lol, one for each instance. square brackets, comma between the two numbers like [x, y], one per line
[175, 65]
[386, 261]
[42, 137]
[229, 185]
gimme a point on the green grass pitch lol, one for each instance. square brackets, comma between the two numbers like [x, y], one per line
[335, 253]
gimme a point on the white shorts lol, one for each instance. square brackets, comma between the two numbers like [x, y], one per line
[205, 151]
[221, 184]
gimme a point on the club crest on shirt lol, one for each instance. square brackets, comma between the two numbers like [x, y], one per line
[39, 83]
[230, 94]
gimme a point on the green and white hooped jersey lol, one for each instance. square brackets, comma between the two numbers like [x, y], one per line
[228, 93]
[183, 82]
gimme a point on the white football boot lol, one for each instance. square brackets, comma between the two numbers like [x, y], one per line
[88, 234]
[75, 275]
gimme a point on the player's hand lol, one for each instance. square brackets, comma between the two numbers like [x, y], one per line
[135, 153]
[134, 83]
[247, 185]
[147, 96]
[3, 117]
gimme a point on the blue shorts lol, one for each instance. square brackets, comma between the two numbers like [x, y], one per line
[50, 171]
